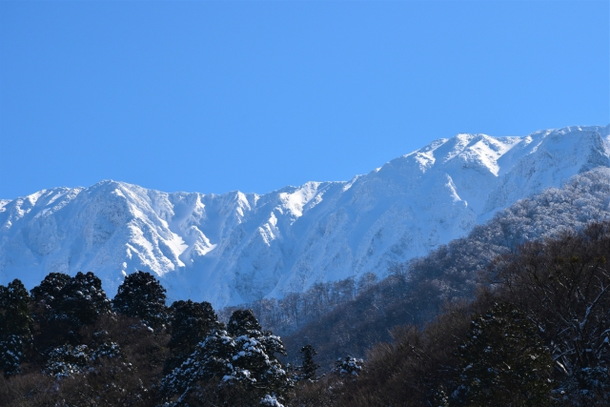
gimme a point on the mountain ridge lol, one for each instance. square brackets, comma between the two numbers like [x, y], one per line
[422, 288]
[238, 247]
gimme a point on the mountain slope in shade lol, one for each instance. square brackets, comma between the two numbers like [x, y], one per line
[234, 248]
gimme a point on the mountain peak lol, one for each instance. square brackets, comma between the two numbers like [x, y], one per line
[236, 247]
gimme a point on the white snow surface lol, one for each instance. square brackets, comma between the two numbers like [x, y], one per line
[234, 248]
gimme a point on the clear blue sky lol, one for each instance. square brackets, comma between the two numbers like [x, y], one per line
[253, 96]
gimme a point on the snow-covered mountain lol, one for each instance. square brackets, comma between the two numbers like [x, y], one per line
[234, 248]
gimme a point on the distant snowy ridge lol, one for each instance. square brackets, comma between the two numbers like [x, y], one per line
[234, 248]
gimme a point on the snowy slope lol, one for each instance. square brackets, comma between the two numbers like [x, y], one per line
[235, 247]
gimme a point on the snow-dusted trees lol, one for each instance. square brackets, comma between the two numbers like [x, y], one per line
[243, 322]
[142, 296]
[64, 307]
[15, 327]
[82, 353]
[47, 293]
[564, 284]
[64, 304]
[202, 375]
[258, 369]
[82, 300]
[349, 366]
[236, 367]
[47, 298]
[190, 323]
[540, 335]
[86, 354]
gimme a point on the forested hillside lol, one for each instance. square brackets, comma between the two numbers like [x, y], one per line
[537, 336]
[514, 314]
[340, 320]
[66, 344]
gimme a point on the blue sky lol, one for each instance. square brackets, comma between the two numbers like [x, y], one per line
[253, 96]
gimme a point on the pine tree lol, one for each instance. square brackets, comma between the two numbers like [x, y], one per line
[82, 300]
[349, 366]
[308, 365]
[64, 304]
[237, 367]
[142, 296]
[47, 294]
[257, 375]
[15, 327]
[256, 355]
[201, 373]
[257, 369]
[190, 323]
[243, 322]
[52, 325]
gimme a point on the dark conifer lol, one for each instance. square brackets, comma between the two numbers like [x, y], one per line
[190, 323]
[15, 327]
[47, 294]
[236, 368]
[82, 300]
[142, 296]
[308, 365]
[243, 322]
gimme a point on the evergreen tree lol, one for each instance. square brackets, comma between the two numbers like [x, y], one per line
[243, 322]
[258, 375]
[349, 365]
[64, 304]
[47, 294]
[190, 322]
[52, 326]
[142, 296]
[82, 300]
[15, 327]
[238, 367]
[258, 372]
[200, 375]
[308, 365]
